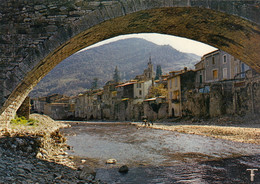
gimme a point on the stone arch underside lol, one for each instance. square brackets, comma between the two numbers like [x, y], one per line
[233, 34]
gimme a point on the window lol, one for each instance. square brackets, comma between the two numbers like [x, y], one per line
[170, 83]
[140, 92]
[225, 59]
[243, 70]
[200, 79]
[213, 60]
[176, 95]
[224, 73]
[176, 82]
[215, 74]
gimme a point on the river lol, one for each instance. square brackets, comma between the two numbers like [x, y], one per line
[160, 156]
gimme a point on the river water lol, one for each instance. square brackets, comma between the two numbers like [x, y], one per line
[159, 156]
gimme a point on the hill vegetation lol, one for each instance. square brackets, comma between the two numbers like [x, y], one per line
[76, 73]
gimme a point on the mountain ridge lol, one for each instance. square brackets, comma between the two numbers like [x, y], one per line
[75, 74]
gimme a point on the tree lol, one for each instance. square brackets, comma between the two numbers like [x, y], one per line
[158, 72]
[156, 91]
[94, 84]
[116, 76]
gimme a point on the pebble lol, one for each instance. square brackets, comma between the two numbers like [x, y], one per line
[123, 169]
[20, 164]
[111, 161]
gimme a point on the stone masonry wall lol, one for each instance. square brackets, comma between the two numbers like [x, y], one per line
[240, 98]
[197, 104]
[246, 99]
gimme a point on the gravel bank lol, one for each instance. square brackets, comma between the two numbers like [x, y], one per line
[36, 154]
[239, 129]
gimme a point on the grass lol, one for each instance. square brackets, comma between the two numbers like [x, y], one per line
[23, 121]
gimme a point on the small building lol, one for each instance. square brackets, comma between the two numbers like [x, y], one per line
[218, 66]
[38, 103]
[80, 106]
[57, 111]
[141, 89]
[126, 90]
[178, 83]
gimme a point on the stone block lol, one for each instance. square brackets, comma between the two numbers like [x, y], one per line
[39, 7]
[51, 28]
[94, 3]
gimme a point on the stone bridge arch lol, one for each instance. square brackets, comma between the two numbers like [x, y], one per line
[37, 35]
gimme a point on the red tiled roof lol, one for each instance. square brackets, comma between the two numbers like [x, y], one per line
[125, 84]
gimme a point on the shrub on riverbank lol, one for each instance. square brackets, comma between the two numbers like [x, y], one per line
[23, 121]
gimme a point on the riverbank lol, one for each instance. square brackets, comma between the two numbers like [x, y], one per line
[238, 129]
[36, 154]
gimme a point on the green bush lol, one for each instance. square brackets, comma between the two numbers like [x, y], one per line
[23, 121]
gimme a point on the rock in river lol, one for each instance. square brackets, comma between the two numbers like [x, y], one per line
[87, 173]
[111, 161]
[123, 169]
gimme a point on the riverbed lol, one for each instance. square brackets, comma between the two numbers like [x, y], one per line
[160, 156]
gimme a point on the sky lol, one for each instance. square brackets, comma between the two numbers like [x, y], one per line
[178, 43]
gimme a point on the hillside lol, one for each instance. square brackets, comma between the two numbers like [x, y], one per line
[75, 74]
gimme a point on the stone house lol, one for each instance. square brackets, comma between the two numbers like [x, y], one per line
[88, 104]
[109, 92]
[141, 89]
[179, 82]
[38, 103]
[57, 111]
[218, 66]
[125, 90]
[80, 106]
[155, 108]
[109, 99]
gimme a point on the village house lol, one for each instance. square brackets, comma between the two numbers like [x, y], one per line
[56, 106]
[126, 90]
[179, 82]
[38, 103]
[57, 111]
[80, 106]
[155, 108]
[219, 79]
[141, 89]
[88, 104]
[219, 66]
[109, 99]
